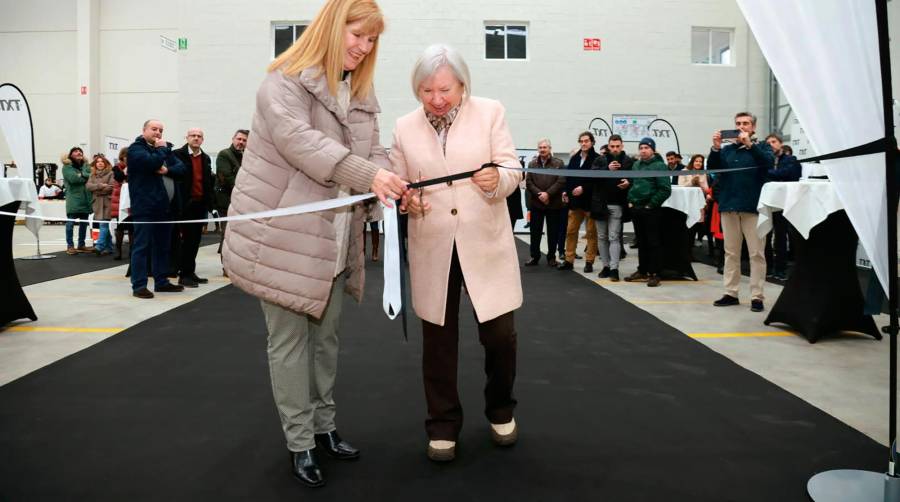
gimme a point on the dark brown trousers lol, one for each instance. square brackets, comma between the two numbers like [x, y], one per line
[439, 365]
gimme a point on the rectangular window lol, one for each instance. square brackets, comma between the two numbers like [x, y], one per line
[712, 46]
[284, 34]
[505, 41]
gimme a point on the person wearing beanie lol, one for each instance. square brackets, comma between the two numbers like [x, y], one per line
[645, 198]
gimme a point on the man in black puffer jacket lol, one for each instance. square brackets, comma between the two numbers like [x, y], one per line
[608, 203]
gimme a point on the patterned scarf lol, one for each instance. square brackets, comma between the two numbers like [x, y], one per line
[442, 124]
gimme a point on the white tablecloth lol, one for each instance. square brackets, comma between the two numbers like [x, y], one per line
[53, 208]
[688, 200]
[23, 190]
[804, 203]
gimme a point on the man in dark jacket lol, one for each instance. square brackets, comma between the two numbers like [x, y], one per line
[196, 195]
[150, 160]
[545, 197]
[738, 194]
[786, 168]
[577, 195]
[228, 163]
[645, 198]
[608, 203]
[673, 163]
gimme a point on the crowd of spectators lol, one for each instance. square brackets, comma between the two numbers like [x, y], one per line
[163, 184]
[728, 222]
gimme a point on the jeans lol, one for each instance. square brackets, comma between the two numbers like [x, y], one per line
[104, 242]
[609, 232]
[153, 241]
[82, 229]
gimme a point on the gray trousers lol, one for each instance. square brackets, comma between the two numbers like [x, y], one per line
[303, 354]
[609, 229]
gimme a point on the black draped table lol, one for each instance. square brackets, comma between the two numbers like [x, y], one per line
[822, 294]
[14, 192]
[681, 211]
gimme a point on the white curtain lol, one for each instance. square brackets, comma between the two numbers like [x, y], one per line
[825, 57]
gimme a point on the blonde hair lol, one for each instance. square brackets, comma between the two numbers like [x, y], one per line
[322, 44]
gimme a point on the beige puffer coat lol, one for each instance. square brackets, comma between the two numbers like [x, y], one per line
[301, 146]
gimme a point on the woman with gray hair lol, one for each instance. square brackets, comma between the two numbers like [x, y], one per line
[459, 234]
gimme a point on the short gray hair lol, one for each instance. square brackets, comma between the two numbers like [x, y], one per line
[433, 58]
[545, 140]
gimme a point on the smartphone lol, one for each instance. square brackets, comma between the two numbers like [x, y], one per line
[730, 133]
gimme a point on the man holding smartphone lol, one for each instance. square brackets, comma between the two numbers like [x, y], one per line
[738, 194]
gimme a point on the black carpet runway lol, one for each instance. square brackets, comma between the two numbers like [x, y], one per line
[614, 405]
[36, 271]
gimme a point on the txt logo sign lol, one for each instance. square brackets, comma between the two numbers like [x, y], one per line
[10, 105]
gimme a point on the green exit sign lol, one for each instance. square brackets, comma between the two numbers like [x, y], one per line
[182, 44]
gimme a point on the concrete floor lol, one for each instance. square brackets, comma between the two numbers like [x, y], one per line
[845, 376]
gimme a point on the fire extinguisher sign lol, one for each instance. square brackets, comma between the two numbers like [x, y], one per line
[592, 44]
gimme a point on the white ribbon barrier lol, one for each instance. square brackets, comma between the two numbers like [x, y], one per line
[392, 296]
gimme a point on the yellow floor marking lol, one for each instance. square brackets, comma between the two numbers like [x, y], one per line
[126, 296]
[62, 329]
[757, 334]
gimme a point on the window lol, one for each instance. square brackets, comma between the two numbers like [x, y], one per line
[284, 34]
[711, 46]
[505, 41]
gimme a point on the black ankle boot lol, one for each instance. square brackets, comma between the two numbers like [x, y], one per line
[305, 468]
[336, 447]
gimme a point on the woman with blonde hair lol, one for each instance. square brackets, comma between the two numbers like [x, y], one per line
[460, 234]
[315, 137]
[100, 184]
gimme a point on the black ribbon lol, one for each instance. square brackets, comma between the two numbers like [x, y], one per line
[878, 146]
[403, 284]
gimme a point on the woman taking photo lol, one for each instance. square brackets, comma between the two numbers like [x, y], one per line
[315, 138]
[459, 234]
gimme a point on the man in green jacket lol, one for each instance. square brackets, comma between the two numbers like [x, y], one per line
[644, 200]
[78, 199]
[228, 163]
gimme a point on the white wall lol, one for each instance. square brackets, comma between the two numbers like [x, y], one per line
[37, 48]
[644, 66]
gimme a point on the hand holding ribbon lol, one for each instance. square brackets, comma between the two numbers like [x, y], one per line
[388, 185]
[487, 179]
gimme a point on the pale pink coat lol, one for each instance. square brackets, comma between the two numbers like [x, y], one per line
[461, 212]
